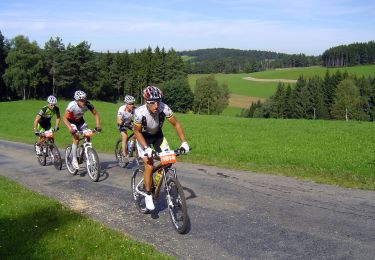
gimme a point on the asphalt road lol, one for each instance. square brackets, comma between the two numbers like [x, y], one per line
[233, 214]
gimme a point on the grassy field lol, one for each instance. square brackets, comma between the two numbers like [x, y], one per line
[35, 227]
[334, 152]
[237, 85]
[365, 70]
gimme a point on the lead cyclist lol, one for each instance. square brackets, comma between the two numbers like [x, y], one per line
[148, 122]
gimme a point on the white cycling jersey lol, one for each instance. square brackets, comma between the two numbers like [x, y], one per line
[126, 117]
[151, 123]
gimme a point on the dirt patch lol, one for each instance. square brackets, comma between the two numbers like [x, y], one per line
[243, 101]
[271, 80]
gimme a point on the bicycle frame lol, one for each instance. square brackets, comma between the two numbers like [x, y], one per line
[49, 150]
[85, 153]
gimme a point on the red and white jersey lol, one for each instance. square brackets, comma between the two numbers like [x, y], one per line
[75, 112]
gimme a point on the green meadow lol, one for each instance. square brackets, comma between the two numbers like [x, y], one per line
[238, 85]
[333, 152]
[307, 72]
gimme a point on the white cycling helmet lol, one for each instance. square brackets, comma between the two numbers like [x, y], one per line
[79, 94]
[52, 100]
[129, 99]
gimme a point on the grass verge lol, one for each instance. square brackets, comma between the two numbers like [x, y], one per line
[33, 226]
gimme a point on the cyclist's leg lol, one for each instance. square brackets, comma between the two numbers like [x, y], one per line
[147, 174]
[124, 140]
[75, 138]
[40, 130]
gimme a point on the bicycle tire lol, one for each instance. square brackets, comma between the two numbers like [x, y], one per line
[93, 164]
[55, 156]
[42, 160]
[139, 200]
[118, 154]
[68, 160]
[177, 205]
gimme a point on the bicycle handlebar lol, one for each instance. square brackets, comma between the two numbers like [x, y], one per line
[177, 152]
[42, 133]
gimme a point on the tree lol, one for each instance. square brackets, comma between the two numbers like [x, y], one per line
[3, 53]
[24, 62]
[209, 96]
[347, 103]
[53, 56]
[178, 95]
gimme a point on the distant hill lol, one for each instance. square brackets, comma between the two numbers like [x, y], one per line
[221, 60]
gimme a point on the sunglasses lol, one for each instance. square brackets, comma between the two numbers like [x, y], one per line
[152, 102]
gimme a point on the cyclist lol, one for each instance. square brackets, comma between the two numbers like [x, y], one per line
[125, 120]
[42, 120]
[73, 119]
[148, 122]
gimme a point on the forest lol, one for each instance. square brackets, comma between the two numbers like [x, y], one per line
[222, 60]
[349, 55]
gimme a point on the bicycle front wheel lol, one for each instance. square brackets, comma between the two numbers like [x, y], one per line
[55, 156]
[68, 160]
[93, 164]
[177, 205]
[42, 156]
[137, 183]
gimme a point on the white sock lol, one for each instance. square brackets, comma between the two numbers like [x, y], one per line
[74, 151]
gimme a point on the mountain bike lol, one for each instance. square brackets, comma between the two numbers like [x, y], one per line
[85, 153]
[131, 151]
[164, 181]
[48, 149]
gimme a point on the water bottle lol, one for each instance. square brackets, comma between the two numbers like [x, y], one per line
[130, 147]
[157, 177]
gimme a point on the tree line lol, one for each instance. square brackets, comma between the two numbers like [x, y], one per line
[350, 55]
[28, 72]
[336, 96]
[221, 60]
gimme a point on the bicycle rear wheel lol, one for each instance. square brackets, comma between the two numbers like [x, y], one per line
[137, 182]
[177, 205]
[68, 160]
[55, 156]
[93, 164]
[119, 156]
[42, 156]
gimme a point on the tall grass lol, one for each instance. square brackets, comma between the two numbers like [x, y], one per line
[336, 152]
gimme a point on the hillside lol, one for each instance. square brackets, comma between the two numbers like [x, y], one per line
[221, 60]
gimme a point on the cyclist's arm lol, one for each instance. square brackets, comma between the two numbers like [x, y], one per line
[58, 117]
[138, 134]
[65, 119]
[172, 119]
[36, 121]
[97, 117]
[119, 120]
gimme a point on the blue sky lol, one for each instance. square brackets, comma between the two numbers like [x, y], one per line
[305, 26]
